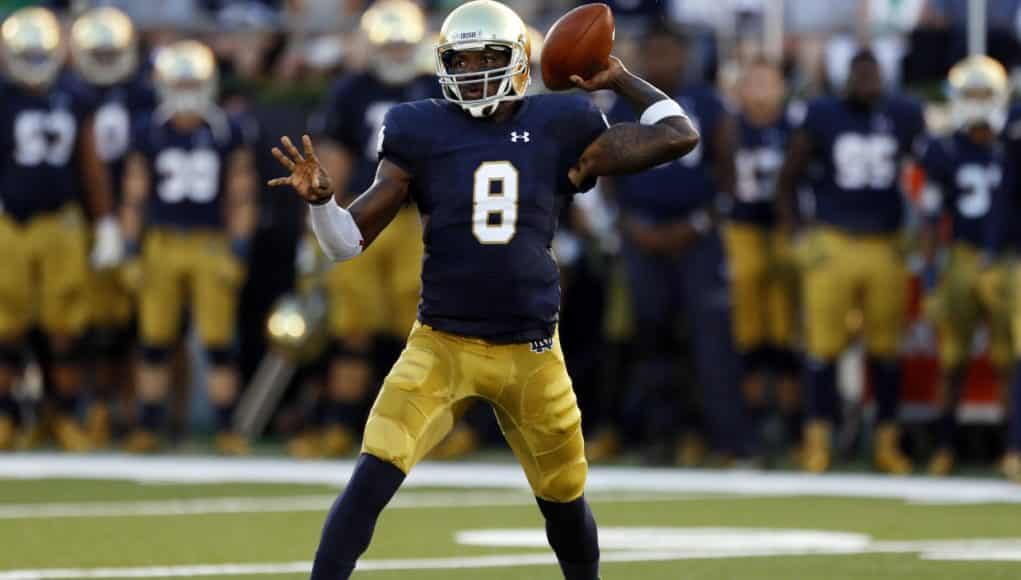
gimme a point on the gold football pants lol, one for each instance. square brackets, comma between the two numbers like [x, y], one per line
[439, 374]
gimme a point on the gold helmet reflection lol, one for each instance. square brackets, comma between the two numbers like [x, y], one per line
[104, 47]
[186, 77]
[479, 25]
[979, 93]
[33, 52]
[394, 29]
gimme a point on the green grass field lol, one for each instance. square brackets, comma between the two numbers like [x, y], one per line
[712, 525]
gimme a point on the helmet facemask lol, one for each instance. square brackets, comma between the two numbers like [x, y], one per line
[395, 63]
[513, 79]
[34, 68]
[106, 66]
[977, 106]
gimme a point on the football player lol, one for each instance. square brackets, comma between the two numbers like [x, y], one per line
[50, 156]
[675, 265]
[964, 170]
[190, 212]
[853, 250]
[763, 282]
[105, 55]
[488, 169]
[372, 300]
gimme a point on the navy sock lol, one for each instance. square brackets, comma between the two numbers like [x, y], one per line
[952, 389]
[153, 416]
[224, 417]
[571, 530]
[349, 525]
[66, 405]
[1014, 417]
[886, 379]
[822, 400]
[8, 406]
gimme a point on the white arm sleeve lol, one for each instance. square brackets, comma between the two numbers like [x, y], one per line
[336, 230]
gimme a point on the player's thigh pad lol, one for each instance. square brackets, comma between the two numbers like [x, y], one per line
[539, 416]
[356, 304]
[60, 241]
[16, 289]
[782, 296]
[162, 293]
[885, 279]
[216, 285]
[110, 302]
[828, 284]
[747, 252]
[414, 409]
[956, 307]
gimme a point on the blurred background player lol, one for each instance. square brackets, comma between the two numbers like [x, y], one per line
[373, 300]
[853, 252]
[50, 157]
[104, 48]
[190, 213]
[676, 269]
[763, 281]
[964, 170]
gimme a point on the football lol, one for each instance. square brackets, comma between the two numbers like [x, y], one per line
[578, 43]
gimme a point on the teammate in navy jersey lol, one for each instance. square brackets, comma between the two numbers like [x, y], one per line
[488, 169]
[675, 264]
[372, 301]
[190, 214]
[763, 280]
[853, 251]
[964, 173]
[105, 46]
[50, 161]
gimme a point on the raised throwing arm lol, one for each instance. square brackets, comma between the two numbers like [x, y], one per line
[342, 233]
[663, 134]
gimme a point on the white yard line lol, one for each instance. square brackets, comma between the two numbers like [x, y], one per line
[286, 504]
[509, 476]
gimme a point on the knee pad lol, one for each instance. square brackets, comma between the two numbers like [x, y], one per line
[786, 361]
[757, 359]
[566, 484]
[155, 355]
[389, 441]
[10, 355]
[220, 356]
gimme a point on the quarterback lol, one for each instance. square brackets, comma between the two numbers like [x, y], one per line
[488, 170]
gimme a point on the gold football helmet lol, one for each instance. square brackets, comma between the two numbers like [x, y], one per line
[394, 28]
[478, 25]
[32, 47]
[186, 78]
[979, 93]
[104, 48]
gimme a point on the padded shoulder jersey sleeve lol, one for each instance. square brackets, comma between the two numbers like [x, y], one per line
[934, 162]
[397, 140]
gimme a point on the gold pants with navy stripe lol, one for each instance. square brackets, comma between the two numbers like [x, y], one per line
[439, 374]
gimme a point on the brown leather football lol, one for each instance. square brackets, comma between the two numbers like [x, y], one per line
[578, 43]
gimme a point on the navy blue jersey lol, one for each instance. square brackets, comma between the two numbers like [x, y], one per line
[672, 190]
[490, 194]
[760, 154]
[188, 170]
[353, 113]
[859, 153]
[118, 105]
[964, 177]
[39, 135]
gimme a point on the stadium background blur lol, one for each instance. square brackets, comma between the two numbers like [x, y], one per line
[277, 61]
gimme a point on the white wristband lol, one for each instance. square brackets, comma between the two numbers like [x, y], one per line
[661, 110]
[336, 230]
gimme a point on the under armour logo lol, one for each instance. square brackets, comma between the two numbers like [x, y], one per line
[515, 137]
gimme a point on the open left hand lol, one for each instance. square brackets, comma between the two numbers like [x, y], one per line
[604, 79]
[307, 177]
